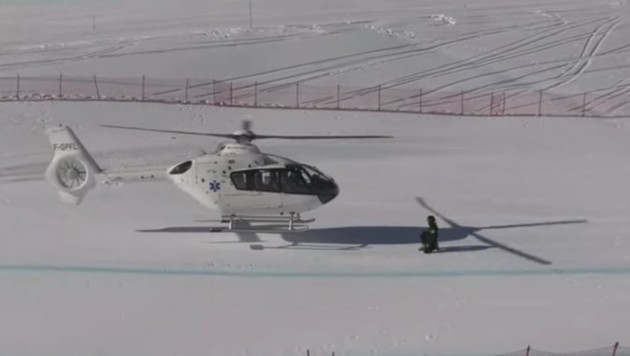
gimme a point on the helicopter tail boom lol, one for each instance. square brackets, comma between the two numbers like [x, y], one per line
[72, 170]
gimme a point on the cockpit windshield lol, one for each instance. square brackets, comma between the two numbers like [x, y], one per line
[314, 172]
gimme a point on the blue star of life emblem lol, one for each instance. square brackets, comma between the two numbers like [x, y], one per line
[215, 186]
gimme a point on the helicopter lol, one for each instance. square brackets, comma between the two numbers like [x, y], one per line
[237, 181]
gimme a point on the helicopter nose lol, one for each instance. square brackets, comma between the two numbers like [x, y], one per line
[328, 192]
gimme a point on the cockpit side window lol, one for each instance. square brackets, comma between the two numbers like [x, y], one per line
[295, 181]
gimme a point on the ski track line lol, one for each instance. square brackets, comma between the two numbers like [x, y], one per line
[86, 269]
[397, 56]
[506, 52]
[232, 43]
[353, 65]
[587, 57]
[44, 62]
[507, 55]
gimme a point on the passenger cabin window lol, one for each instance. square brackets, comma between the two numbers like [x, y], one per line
[262, 180]
[244, 180]
[267, 181]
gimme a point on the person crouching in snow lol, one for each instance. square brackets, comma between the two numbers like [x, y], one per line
[429, 237]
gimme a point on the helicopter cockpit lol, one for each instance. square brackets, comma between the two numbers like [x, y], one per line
[294, 178]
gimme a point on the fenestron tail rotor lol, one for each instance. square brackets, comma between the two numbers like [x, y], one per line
[71, 173]
[245, 134]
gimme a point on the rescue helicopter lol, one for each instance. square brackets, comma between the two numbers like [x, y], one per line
[238, 181]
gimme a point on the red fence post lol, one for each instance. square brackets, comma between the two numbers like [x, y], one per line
[615, 348]
[420, 100]
[60, 81]
[584, 105]
[98, 93]
[256, 94]
[17, 92]
[231, 93]
[540, 95]
[214, 92]
[338, 96]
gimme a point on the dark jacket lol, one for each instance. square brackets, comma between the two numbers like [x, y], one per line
[430, 237]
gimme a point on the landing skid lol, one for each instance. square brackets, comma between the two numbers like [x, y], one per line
[260, 229]
[265, 224]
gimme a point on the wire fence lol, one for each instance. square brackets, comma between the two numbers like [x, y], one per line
[608, 103]
[614, 350]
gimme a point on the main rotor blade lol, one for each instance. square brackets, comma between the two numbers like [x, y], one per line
[285, 137]
[547, 223]
[170, 131]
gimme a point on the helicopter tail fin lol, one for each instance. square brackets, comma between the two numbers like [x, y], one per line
[72, 171]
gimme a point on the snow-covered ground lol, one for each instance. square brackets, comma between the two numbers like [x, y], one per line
[533, 211]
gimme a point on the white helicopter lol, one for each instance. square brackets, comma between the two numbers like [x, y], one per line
[237, 181]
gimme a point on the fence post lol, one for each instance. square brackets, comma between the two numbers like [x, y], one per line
[308, 352]
[527, 351]
[462, 102]
[98, 93]
[338, 96]
[17, 92]
[491, 102]
[379, 98]
[584, 105]
[214, 92]
[256, 94]
[503, 108]
[60, 85]
[297, 95]
[143, 79]
[231, 93]
[615, 348]
[420, 100]
[186, 91]
[540, 95]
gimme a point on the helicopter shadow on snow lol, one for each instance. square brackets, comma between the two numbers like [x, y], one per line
[363, 236]
[352, 238]
[349, 237]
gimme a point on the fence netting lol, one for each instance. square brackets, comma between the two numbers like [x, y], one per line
[614, 350]
[613, 102]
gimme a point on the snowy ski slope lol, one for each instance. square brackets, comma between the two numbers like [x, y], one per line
[533, 211]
